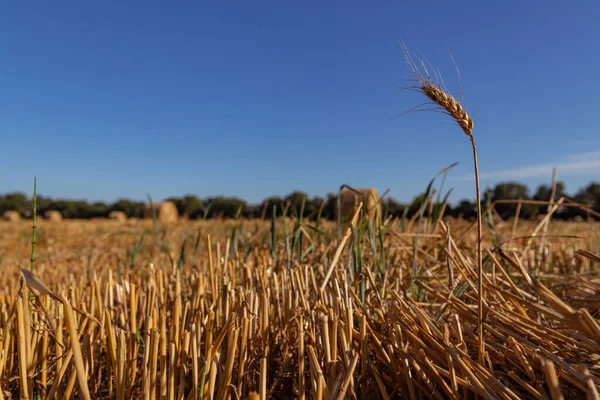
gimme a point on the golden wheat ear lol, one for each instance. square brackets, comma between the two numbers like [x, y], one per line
[450, 105]
[434, 89]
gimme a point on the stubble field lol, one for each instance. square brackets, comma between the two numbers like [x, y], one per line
[283, 309]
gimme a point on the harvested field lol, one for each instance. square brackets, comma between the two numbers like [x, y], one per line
[212, 309]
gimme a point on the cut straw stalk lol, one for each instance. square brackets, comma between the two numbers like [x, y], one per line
[82, 378]
[22, 346]
[340, 248]
[301, 389]
[154, 361]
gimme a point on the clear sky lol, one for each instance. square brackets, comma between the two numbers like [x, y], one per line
[108, 99]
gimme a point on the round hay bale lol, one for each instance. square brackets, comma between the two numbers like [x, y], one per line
[11, 215]
[53, 215]
[117, 216]
[349, 201]
[166, 212]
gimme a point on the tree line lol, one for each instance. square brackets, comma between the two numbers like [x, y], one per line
[297, 203]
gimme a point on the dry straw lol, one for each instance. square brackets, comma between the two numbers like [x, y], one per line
[166, 212]
[11, 215]
[53, 215]
[349, 200]
[117, 216]
[434, 89]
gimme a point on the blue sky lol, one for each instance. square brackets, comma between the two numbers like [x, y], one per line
[107, 99]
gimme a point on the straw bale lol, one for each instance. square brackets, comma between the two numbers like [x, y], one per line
[53, 215]
[117, 216]
[11, 215]
[166, 212]
[350, 200]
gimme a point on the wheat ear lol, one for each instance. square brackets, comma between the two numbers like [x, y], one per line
[443, 100]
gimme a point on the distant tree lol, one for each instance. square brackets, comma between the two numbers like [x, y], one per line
[79, 209]
[296, 199]
[229, 207]
[416, 204]
[512, 191]
[544, 191]
[129, 207]
[67, 208]
[271, 202]
[189, 205]
[97, 210]
[226, 207]
[590, 196]
[312, 207]
[14, 201]
[329, 209]
[465, 209]
[392, 208]
[42, 205]
[253, 211]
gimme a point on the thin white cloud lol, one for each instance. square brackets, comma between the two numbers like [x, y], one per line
[589, 156]
[572, 164]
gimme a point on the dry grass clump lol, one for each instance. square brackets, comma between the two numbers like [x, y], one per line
[117, 216]
[11, 215]
[166, 212]
[53, 215]
[351, 198]
[219, 318]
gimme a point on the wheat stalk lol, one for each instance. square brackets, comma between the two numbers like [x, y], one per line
[434, 89]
